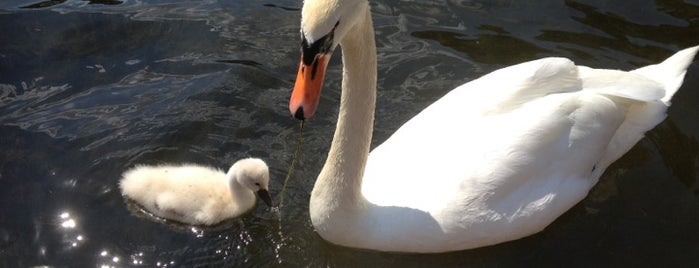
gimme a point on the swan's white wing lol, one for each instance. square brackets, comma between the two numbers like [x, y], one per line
[507, 143]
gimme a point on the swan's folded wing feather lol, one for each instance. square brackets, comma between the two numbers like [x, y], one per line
[474, 130]
[508, 88]
[627, 85]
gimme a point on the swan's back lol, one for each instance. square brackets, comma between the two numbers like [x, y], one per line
[503, 156]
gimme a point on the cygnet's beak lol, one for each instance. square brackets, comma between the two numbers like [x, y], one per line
[265, 196]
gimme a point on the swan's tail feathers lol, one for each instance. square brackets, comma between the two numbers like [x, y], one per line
[641, 117]
[670, 72]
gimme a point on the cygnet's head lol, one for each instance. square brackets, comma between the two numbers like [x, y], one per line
[253, 173]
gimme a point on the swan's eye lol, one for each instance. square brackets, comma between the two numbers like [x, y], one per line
[324, 45]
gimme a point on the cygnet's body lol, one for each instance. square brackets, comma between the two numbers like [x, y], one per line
[197, 195]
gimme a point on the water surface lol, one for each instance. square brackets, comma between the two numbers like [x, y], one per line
[91, 88]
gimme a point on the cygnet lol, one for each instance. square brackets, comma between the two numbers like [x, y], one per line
[195, 194]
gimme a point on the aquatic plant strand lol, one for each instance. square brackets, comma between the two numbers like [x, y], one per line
[293, 163]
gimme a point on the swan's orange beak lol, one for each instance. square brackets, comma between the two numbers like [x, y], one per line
[309, 81]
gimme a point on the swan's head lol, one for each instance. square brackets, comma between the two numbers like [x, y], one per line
[324, 23]
[253, 174]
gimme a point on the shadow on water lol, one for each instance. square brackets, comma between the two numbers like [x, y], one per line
[616, 27]
[512, 50]
[91, 88]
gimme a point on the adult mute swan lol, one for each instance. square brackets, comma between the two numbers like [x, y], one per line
[197, 195]
[493, 160]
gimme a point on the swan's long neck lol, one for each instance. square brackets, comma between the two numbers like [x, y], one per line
[338, 187]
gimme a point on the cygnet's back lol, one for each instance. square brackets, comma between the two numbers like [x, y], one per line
[190, 193]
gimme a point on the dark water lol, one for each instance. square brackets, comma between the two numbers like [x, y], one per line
[90, 88]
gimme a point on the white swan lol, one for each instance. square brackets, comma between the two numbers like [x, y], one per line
[494, 160]
[197, 195]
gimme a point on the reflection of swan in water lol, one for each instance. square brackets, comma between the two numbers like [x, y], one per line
[197, 195]
[496, 159]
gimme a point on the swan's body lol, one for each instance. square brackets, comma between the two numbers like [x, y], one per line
[494, 160]
[195, 194]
